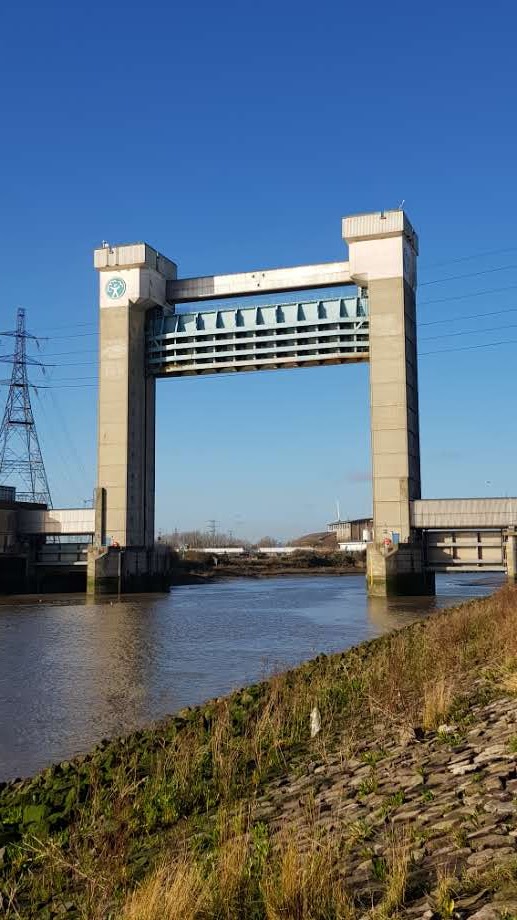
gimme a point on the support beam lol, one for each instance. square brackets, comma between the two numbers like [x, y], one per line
[261, 281]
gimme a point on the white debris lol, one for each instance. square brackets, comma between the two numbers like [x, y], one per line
[315, 722]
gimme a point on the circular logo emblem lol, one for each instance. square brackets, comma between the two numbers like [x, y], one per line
[115, 288]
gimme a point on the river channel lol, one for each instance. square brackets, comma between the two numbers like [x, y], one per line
[72, 673]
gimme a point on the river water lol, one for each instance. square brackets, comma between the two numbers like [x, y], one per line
[72, 673]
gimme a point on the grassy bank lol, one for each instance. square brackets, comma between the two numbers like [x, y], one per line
[163, 823]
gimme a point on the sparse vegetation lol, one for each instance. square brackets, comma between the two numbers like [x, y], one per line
[395, 875]
[373, 756]
[446, 886]
[163, 820]
[392, 802]
[368, 785]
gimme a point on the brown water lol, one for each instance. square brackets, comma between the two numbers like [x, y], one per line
[72, 673]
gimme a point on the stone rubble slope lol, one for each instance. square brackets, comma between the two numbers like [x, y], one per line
[451, 795]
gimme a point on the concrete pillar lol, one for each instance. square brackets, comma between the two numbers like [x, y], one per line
[511, 555]
[383, 249]
[99, 500]
[132, 281]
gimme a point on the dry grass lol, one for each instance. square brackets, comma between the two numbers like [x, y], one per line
[176, 892]
[415, 675]
[396, 874]
[444, 894]
[292, 881]
[508, 680]
[437, 698]
[305, 884]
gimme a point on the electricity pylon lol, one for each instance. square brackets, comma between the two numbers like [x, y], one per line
[21, 462]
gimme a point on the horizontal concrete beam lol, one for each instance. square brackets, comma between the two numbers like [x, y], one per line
[462, 567]
[56, 521]
[466, 513]
[267, 281]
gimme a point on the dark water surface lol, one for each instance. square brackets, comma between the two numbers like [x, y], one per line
[72, 672]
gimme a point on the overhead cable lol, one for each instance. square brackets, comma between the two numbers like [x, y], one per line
[508, 287]
[446, 351]
[478, 255]
[485, 271]
[448, 335]
[457, 319]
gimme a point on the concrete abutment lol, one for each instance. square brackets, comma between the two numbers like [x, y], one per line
[113, 570]
[400, 571]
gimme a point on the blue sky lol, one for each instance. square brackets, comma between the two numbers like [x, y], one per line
[235, 136]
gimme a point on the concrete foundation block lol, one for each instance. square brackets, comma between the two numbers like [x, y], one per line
[400, 571]
[128, 570]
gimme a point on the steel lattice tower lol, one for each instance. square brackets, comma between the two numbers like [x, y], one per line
[21, 461]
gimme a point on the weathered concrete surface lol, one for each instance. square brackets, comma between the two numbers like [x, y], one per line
[383, 249]
[112, 570]
[397, 571]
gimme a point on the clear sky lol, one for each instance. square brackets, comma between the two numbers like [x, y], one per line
[234, 136]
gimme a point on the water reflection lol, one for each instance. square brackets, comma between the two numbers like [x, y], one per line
[72, 672]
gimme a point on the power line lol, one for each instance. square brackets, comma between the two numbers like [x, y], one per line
[449, 319]
[59, 379]
[446, 351]
[67, 467]
[75, 325]
[457, 319]
[435, 322]
[79, 386]
[440, 351]
[485, 271]
[508, 287]
[66, 354]
[79, 335]
[479, 255]
[72, 364]
[448, 335]
[55, 385]
[69, 439]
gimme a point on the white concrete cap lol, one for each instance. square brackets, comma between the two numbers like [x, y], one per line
[379, 224]
[134, 255]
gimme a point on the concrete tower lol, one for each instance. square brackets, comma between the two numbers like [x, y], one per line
[383, 249]
[132, 282]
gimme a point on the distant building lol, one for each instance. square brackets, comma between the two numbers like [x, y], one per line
[15, 550]
[38, 544]
[359, 530]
